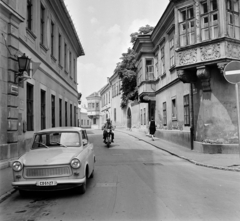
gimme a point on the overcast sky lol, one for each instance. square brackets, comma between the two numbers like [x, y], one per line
[104, 28]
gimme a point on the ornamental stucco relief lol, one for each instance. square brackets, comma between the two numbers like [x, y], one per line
[188, 57]
[210, 52]
[233, 50]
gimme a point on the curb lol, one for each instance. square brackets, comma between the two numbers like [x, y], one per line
[7, 194]
[184, 158]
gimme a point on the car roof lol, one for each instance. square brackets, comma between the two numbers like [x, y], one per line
[60, 129]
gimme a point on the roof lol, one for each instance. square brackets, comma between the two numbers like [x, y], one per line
[59, 129]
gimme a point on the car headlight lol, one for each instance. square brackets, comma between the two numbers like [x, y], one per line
[17, 166]
[75, 163]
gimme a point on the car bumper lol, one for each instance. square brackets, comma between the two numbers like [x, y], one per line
[60, 185]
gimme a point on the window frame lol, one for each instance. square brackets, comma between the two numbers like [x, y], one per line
[174, 108]
[43, 109]
[42, 24]
[165, 113]
[186, 106]
[186, 22]
[30, 106]
[29, 14]
[53, 108]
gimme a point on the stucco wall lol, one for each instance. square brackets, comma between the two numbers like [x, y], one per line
[217, 112]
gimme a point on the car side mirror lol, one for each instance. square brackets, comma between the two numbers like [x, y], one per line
[85, 142]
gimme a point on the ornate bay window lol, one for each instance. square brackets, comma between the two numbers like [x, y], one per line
[187, 26]
[149, 70]
[233, 18]
[209, 19]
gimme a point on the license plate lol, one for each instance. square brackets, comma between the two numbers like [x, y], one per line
[46, 183]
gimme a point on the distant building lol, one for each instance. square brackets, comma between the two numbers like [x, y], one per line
[83, 120]
[45, 95]
[93, 109]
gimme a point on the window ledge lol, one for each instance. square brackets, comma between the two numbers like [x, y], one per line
[31, 34]
[172, 68]
[53, 58]
[43, 48]
[163, 75]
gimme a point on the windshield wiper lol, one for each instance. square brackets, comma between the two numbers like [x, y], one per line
[59, 144]
[42, 144]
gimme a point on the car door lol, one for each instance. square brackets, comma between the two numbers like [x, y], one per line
[89, 147]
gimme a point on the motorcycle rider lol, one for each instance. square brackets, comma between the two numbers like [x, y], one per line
[108, 125]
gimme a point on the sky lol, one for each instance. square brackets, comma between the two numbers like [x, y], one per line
[104, 28]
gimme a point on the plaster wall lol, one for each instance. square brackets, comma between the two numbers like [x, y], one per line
[217, 113]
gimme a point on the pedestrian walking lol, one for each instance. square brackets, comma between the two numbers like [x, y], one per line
[152, 128]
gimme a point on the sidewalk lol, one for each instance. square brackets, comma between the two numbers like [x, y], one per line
[229, 162]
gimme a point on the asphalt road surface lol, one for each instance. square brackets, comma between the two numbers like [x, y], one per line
[135, 181]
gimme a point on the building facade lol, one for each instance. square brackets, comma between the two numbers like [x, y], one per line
[180, 71]
[94, 110]
[45, 95]
[83, 120]
[106, 103]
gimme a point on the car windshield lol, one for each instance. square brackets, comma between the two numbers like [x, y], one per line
[56, 139]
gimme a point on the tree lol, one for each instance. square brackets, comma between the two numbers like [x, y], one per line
[127, 71]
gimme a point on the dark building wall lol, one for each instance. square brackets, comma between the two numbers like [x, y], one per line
[216, 113]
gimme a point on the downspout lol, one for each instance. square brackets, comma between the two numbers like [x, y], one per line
[192, 116]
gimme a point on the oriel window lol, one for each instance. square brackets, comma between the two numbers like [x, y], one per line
[233, 18]
[187, 26]
[209, 19]
[29, 14]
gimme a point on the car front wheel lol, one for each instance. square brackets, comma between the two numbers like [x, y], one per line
[82, 189]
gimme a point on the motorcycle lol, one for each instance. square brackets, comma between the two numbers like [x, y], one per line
[108, 138]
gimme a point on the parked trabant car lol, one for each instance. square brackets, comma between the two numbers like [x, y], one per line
[59, 158]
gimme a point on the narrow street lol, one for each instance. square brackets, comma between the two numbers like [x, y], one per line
[135, 181]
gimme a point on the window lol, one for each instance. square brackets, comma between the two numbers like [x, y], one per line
[65, 57]
[42, 14]
[82, 122]
[59, 48]
[172, 59]
[29, 14]
[70, 64]
[70, 114]
[187, 26]
[156, 63]
[43, 109]
[162, 61]
[60, 112]
[144, 116]
[53, 110]
[186, 110]
[66, 114]
[233, 18]
[97, 105]
[52, 38]
[141, 118]
[75, 113]
[164, 113]
[74, 70]
[174, 109]
[149, 69]
[115, 114]
[94, 121]
[209, 19]
[29, 107]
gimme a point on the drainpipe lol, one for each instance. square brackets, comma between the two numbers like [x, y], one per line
[192, 116]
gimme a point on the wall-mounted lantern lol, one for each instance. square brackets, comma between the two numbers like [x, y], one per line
[23, 65]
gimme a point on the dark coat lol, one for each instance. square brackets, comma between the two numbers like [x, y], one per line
[152, 127]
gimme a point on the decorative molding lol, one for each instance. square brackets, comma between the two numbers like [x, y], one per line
[188, 57]
[210, 52]
[221, 66]
[233, 50]
[203, 74]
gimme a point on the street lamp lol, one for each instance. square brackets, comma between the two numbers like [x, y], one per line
[23, 65]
